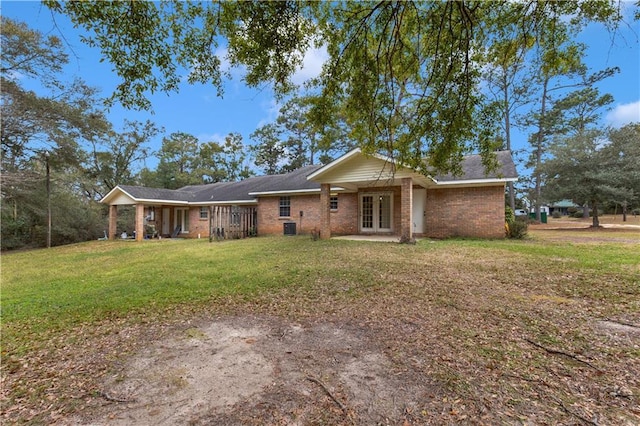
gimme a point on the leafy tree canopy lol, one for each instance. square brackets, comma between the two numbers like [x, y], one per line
[406, 74]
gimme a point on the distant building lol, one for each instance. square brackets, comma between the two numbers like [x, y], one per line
[563, 207]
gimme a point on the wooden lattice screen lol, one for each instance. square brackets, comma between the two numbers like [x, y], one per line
[231, 222]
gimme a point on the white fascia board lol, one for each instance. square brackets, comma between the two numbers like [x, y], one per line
[295, 191]
[157, 201]
[115, 189]
[474, 182]
[352, 153]
[224, 203]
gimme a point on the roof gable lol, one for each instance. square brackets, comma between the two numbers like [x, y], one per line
[357, 167]
[361, 169]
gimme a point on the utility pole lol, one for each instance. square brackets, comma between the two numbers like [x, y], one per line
[46, 160]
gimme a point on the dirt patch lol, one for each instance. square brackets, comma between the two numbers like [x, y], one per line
[257, 370]
[620, 330]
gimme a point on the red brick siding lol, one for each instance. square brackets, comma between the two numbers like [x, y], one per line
[468, 212]
[325, 212]
[406, 209]
[343, 221]
[270, 222]
[465, 212]
[197, 225]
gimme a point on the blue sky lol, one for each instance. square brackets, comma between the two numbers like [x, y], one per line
[197, 110]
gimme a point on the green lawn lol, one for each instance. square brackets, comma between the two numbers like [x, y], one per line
[49, 290]
[481, 297]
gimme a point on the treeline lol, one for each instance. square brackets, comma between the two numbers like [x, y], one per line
[411, 80]
[60, 154]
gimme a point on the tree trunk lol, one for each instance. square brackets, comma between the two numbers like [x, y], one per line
[507, 131]
[596, 220]
[539, 148]
[48, 201]
[624, 211]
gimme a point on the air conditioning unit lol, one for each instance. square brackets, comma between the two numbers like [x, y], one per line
[289, 228]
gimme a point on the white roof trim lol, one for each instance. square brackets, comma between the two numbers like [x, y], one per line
[294, 191]
[117, 188]
[215, 203]
[142, 200]
[342, 159]
[156, 201]
[322, 170]
[473, 181]
[334, 163]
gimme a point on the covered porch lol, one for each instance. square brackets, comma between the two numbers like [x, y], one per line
[161, 213]
[391, 200]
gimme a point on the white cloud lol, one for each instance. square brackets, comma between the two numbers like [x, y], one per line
[223, 54]
[311, 65]
[211, 137]
[271, 109]
[624, 114]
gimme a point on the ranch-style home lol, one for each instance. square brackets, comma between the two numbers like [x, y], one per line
[355, 194]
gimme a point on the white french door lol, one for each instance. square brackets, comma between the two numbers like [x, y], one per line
[182, 220]
[376, 212]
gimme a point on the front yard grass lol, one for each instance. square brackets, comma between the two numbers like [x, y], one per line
[465, 313]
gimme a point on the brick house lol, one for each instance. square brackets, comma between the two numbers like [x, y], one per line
[355, 194]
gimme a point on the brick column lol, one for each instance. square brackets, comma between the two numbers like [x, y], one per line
[406, 210]
[113, 221]
[139, 222]
[325, 211]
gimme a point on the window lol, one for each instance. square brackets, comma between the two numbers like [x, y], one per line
[333, 203]
[151, 214]
[285, 206]
[204, 212]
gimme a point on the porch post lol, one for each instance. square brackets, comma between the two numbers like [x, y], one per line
[325, 211]
[406, 210]
[139, 222]
[113, 221]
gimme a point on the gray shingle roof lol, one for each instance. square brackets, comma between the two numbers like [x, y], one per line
[295, 181]
[144, 193]
[472, 169]
[229, 191]
[234, 191]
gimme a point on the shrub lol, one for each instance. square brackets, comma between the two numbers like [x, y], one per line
[509, 215]
[577, 214]
[635, 212]
[517, 229]
[556, 214]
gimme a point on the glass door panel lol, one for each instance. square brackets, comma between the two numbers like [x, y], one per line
[376, 212]
[367, 213]
[384, 213]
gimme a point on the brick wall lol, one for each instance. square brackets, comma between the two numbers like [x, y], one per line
[465, 212]
[270, 222]
[197, 225]
[450, 212]
[343, 221]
